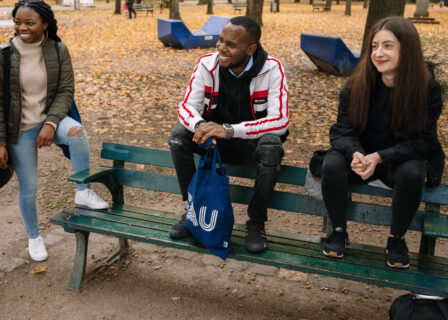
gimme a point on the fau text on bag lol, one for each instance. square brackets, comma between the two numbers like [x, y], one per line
[210, 213]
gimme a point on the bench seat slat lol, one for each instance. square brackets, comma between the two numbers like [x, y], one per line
[353, 256]
[304, 240]
[280, 255]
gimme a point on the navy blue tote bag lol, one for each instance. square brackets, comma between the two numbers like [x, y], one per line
[210, 213]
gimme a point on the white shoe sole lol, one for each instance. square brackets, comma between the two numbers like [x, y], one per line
[332, 254]
[397, 265]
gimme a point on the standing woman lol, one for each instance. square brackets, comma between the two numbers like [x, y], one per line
[41, 91]
[386, 129]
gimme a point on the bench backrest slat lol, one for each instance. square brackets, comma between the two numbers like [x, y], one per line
[289, 174]
[293, 202]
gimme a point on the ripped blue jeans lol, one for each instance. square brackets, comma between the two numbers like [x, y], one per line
[264, 153]
[24, 158]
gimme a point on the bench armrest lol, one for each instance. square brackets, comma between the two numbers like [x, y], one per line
[435, 225]
[91, 175]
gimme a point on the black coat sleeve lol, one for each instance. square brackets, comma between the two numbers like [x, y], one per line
[423, 146]
[342, 137]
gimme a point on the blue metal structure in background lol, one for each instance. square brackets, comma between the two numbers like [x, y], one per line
[329, 54]
[175, 33]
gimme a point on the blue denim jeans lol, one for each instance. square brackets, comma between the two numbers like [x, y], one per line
[24, 158]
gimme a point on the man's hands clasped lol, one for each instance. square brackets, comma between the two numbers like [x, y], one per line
[364, 165]
[207, 130]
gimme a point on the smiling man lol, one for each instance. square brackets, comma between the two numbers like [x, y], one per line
[238, 97]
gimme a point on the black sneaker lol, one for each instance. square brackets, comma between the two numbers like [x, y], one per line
[397, 253]
[179, 230]
[335, 244]
[255, 241]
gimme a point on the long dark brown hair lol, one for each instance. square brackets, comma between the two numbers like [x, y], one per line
[407, 106]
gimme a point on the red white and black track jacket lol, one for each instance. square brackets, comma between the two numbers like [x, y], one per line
[268, 91]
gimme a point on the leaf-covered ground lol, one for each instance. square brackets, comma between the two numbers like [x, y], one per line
[127, 88]
[128, 84]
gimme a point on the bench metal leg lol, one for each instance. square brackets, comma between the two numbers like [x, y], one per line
[427, 245]
[79, 277]
[79, 267]
[123, 251]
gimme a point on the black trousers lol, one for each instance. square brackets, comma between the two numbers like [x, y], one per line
[265, 154]
[407, 180]
[131, 9]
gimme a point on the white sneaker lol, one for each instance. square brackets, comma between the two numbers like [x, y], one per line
[89, 198]
[36, 248]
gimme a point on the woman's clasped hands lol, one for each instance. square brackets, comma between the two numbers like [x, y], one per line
[364, 165]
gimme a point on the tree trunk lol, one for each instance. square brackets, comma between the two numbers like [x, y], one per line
[421, 9]
[202, 2]
[174, 10]
[117, 7]
[348, 7]
[328, 5]
[311, 2]
[379, 9]
[278, 5]
[337, 1]
[254, 10]
[209, 7]
[365, 4]
[229, 1]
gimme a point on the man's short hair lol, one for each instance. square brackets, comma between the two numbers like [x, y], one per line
[250, 25]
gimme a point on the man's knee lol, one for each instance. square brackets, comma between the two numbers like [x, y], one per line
[180, 138]
[270, 151]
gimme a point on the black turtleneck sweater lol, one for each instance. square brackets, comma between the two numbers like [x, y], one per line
[378, 134]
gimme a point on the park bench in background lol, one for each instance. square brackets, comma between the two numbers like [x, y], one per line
[317, 6]
[139, 7]
[427, 274]
[175, 33]
[238, 5]
[144, 6]
[329, 54]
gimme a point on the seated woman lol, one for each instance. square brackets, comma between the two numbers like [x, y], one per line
[386, 129]
[41, 90]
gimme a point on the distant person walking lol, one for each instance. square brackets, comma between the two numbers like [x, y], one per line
[130, 4]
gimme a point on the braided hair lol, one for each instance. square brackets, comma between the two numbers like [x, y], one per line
[45, 12]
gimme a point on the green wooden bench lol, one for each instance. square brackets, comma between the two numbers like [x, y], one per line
[142, 7]
[320, 5]
[238, 5]
[427, 274]
[145, 6]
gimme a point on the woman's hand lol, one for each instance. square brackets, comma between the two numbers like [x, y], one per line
[45, 137]
[3, 157]
[371, 161]
[359, 162]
